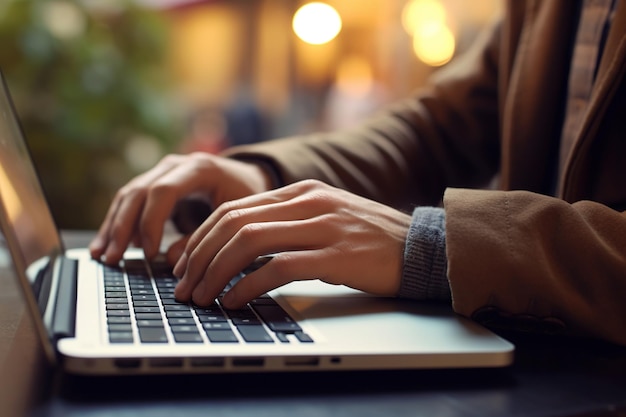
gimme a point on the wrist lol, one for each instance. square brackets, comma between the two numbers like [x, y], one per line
[424, 274]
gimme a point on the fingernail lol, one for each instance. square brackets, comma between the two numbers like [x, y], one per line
[181, 265]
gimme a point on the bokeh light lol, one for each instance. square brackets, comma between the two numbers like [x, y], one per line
[64, 19]
[354, 76]
[434, 44]
[417, 13]
[316, 23]
[427, 22]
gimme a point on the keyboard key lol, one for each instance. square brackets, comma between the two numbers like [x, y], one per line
[243, 313]
[121, 337]
[142, 291]
[115, 294]
[170, 301]
[167, 296]
[152, 335]
[150, 323]
[147, 310]
[219, 325]
[120, 300]
[143, 286]
[282, 337]
[277, 319]
[118, 313]
[209, 310]
[255, 334]
[148, 316]
[248, 321]
[144, 297]
[146, 303]
[221, 336]
[184, 329]
[176, 307]
[206, 318]
[117, 306]
[118, 320]
[179, 314]
[188, 338]
[303, 337]
[120, 328]
[181, 321]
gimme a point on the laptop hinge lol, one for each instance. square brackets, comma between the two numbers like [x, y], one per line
[64, 320]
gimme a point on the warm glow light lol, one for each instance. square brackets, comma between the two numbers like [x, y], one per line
[13, 204]
[354, 77]
[417, 13]
[316, 23]
[434, 44]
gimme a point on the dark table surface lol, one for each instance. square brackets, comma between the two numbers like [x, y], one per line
[550, 377]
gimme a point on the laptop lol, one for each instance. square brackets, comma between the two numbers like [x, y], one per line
[94, 319]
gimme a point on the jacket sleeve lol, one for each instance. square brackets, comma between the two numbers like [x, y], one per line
[446, 134]
[522, 260]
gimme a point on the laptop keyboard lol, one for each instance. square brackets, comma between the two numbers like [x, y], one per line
[141, 308]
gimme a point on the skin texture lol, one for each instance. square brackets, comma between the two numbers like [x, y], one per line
[312, 230]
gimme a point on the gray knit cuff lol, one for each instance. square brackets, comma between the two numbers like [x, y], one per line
[424, 275]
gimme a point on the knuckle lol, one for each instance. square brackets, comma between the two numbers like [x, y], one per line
[131, 190]
[225, 208]
[317, 200]
[282, 267]
[159, 189]
[234, 220]
[311, 184]
[250, 231]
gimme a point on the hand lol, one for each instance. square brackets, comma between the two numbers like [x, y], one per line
[315, 231]
[140, 209]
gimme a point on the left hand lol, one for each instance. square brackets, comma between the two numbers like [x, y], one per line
[315, 231]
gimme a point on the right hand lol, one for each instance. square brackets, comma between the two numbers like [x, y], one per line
[141, 208]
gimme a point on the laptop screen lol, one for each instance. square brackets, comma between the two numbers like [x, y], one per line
[27, 219]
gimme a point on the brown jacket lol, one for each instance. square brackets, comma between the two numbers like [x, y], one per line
[516, 256]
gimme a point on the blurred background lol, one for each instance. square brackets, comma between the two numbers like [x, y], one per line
[105, 88]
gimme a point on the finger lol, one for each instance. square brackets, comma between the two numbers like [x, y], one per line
[212, 237]
[120, 223]
[162, 196]
[175, 250]
[283, 268]
[122, 228]
[293, 192]
[99, 243]
[203, 284]
[243, 221]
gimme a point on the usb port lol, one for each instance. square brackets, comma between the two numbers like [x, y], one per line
[302, 361]
[248, 362]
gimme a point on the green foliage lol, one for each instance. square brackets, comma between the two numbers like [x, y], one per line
[88, 78]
